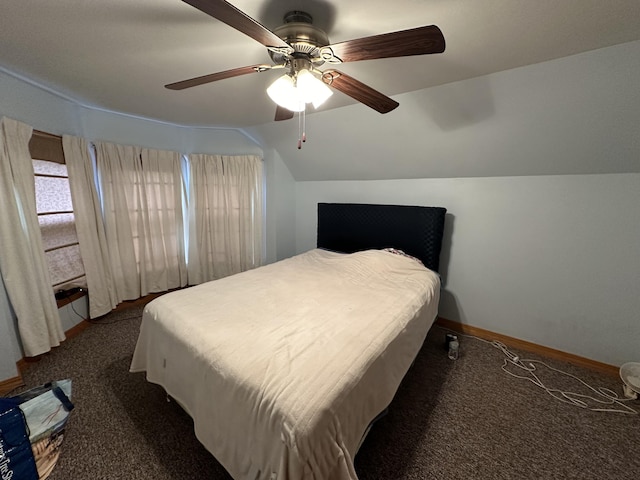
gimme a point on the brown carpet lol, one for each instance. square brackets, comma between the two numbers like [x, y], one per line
[450, 420]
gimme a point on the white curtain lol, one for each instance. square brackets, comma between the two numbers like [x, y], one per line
[94, 248]
[22, 259]
[225, 216]
[142, 192]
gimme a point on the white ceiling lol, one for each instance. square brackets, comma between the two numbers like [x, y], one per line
[118, 54]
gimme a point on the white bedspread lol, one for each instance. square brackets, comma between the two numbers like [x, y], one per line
[283, 367]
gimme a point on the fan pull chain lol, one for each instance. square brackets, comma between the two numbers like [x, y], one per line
[304, 124]
[299, 130]
[302, 121]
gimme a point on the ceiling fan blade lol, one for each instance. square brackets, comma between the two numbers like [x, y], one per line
[227, 13]
[212, 77]
[359, 91]
[416, 41]
[283, 114]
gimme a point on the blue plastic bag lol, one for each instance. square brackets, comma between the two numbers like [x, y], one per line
[16, 457]
[32, 430]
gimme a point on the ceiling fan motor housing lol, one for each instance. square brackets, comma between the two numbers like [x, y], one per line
[299, 32]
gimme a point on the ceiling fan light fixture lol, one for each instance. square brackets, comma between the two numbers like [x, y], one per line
[293, 94]
[284, 92]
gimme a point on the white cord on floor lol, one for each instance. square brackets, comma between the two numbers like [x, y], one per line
[611, 402]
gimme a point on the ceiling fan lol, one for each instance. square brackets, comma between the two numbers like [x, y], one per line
[298, 45]
[300, 48]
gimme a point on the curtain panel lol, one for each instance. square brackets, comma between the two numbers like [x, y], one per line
[92, 239]
[142, 198]
[22, 260]
[225, 215]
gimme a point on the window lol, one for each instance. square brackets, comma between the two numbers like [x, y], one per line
[225, 217]
[55, 216]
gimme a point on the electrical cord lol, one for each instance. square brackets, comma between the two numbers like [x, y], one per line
[112, 322]
[607, 400]
[101, 322]
[76, 312]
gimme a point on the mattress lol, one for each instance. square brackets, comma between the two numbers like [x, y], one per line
[282, 368]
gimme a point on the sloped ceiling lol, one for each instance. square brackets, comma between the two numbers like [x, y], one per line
[118, 54]
[574, 115]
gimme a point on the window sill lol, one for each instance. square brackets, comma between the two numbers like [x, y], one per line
[71, 298]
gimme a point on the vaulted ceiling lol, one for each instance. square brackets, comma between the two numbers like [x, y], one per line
[119, 54]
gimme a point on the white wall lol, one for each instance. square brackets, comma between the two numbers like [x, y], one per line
[551, 259]
[74, 313]
[48, 111]
[280, 208]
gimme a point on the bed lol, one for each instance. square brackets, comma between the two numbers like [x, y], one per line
[283, 368]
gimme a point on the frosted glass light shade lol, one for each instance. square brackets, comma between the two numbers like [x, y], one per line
[312, 90]
[284, 92]
[293, 95]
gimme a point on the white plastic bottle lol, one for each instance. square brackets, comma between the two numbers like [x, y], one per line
[454, 348]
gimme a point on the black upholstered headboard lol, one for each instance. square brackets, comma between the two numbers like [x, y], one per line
[351, 227]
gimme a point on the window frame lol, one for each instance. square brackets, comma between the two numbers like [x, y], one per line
[48, 147]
